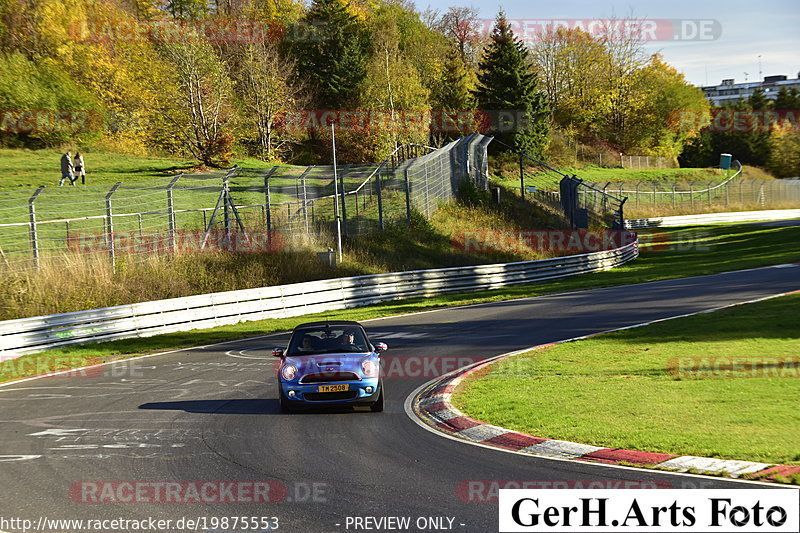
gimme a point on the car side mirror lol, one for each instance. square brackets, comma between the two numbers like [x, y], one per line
[278, 351]
[381, 347]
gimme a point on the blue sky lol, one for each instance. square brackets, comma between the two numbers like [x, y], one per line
[749, 29]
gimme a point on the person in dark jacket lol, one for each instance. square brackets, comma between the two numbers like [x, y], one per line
[66, 169]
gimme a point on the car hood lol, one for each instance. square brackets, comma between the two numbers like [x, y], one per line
[329, 362]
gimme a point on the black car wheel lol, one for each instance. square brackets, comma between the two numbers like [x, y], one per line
[377, 406]
[286, 407]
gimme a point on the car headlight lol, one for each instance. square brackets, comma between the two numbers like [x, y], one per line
[369, 368]
[289, 372]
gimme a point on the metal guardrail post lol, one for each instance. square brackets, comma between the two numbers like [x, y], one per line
[32, 218]
[110, 227]
[173, 244]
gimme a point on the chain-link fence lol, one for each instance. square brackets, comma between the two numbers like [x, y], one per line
[730, 190]
[247, 210]
[579, 203]
[646, 161]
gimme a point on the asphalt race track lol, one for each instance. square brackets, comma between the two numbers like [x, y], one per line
[211, 414]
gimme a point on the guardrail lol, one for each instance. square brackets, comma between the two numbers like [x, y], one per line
[712, 218]
[29, 335]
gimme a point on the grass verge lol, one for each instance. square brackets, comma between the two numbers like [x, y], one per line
[670, 387]
[28, 169]
[670, 254]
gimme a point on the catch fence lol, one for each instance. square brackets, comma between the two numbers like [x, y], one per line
[727, 191]
[242, 209]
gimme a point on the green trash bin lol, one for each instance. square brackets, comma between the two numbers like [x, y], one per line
[725, 161]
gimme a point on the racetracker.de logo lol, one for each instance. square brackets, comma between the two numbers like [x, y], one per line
[488, 490]
[542, 241]
[32, 121]
[181, 242]
[174, 492]
[737, 120]
[745, 366]
[647, 30]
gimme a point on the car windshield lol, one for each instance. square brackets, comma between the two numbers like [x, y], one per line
[328, 340]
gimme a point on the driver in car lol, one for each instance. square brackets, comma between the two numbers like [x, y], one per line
[348, 340]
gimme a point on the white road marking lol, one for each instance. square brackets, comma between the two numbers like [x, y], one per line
[15, 458]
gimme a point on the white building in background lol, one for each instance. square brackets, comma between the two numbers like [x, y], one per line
[728, 91]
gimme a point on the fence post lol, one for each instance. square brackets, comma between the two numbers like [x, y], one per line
[33, 234]
[305, 201]
[655, 193]
[674, 199]
[521, 176]
[344, 201]
[110, 227]
[638, 184]
[710, 184]
[226, 213]
[427, 196]
[268, 208]
[727, 193]
[408, 198]
[173, 245]
[691, 192]
[381, 223]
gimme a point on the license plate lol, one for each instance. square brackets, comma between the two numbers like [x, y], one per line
[334, 388]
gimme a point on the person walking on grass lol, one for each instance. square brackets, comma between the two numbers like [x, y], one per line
[66, 169]
[80, 168]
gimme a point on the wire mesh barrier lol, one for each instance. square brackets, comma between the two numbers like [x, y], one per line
[646, 161]
[581, 204]
[245, 210]
[728, 191]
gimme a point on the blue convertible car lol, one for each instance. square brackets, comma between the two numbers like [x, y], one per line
[329, 363]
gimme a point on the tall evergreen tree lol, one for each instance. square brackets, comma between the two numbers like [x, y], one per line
[758, 101]
[331, 49]
[508, 89]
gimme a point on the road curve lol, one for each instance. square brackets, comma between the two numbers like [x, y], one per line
[211, 414]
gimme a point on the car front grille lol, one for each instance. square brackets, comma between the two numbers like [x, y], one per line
[330, 396]
[329, 377]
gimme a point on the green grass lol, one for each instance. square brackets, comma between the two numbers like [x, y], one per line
[693, 252]
[627, 390]
[28, 169]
